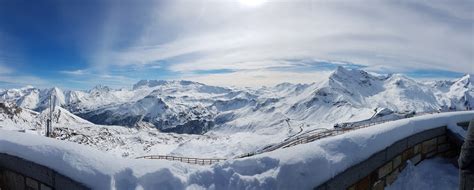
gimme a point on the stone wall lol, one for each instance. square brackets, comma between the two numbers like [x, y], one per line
[17, 173]
[382, 168]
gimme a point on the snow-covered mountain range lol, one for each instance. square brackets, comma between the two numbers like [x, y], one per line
[191, 107]
[234, 121]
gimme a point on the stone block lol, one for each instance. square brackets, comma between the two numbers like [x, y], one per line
[430, 154]
[27, 168]
[396, 148]
[403, 165]
[397, 161]
[366, 167]
[363, 184]
[385, 169]
[428, 146]
[31, 184]
[378, 185]
[442, 139]
[392, 177]
[426, 135]
[416, 159]
[33, 174]
[443, 147]
[408, 154]
[417, 148]
[13, 180]
[63, 182]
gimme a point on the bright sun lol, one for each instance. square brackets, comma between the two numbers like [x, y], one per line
[252, 3]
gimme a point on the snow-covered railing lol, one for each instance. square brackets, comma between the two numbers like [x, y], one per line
[301, 167]
[319, 134]
[307, 137]
[200, 161]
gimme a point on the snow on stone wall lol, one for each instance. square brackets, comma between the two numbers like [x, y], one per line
[300, 167]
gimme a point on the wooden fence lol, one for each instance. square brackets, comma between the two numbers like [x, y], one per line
[307, 137]
[200, 161]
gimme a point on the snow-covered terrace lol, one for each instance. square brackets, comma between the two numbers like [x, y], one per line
[299, 167]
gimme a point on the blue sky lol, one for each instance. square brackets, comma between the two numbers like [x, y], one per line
[79, 44]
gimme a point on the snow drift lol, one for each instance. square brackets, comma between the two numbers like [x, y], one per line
[298, 167]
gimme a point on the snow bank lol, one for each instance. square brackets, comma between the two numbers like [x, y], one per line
[458, 130]
[309, 165]
[433, 174]
[91, 167]
[299, 167]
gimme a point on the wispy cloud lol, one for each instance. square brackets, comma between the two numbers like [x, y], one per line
[11, 79]
[5, 70]
[226, 40]
[81, 79]
[226, 35]
[75, 72]
[258, 78]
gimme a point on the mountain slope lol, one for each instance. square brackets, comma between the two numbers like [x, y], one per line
[191, 107]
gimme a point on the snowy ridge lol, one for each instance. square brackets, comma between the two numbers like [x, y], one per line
[14, 117]
[191, 107]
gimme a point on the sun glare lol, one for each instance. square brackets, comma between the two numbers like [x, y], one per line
[252, 3]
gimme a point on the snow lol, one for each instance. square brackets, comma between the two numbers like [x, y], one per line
[346, 95]
[234, 120]
[458, 130]
[92, 167]
[432, 174]
[297, 167]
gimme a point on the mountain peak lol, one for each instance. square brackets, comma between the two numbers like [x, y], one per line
[149, 83]
[343, 73]
[467, 77]
[100, 88]
[55, 91]
[465, 81]
[340, 70]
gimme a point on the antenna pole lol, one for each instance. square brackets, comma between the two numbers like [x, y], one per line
[49, 121]
[51, 114]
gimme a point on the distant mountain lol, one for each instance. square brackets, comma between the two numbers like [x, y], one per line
[14, 117]
[191, 107]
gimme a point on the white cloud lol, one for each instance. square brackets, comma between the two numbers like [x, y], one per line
[209, 34]
[22, 80]
[85, 78]
[75, 72]
[184, 36]
[258, 78]
[5, 70]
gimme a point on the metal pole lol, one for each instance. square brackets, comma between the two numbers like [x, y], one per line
[51, 107]
[48, 120]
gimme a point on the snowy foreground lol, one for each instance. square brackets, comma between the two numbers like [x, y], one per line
[432, 174]
[300, 167]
